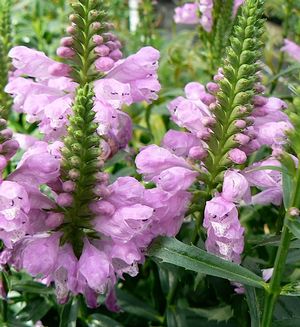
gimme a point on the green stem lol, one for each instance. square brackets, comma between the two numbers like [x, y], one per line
[274, 288]
[288, 11]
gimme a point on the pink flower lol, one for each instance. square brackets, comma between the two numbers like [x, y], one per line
[36, 64]
[237, 156]
[235, 187]
[267, 180]
[47, 98]
[224, 232]
[37, 255]
[206, 19]
[187, 14]
[153, 160]
[14, 209]
[292, 49]
[95, 268]
[179, 142]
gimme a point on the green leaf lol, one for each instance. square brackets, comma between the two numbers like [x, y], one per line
[172, 251]
[69, 313]
[286, 323]
[35, 310]
[291, 289]
[284, 72]
[294, 226]
[99, 320]
[219, 314]
[254, 306]
[133, 305]
[175, 317]
[32, 287]
[288, 175]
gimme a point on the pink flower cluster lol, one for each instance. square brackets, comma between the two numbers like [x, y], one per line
[127, 216]
[107, 48]
[175, 166]
[200, 12]
[46, 96]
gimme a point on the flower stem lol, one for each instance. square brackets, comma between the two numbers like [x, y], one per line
[274, 289]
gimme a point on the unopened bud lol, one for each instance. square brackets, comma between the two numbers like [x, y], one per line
[66, 41]
[69, 186]
[294, 212]
[212, 87]
[64, 200]
[65, 52]
[240, 123]
[98, 39]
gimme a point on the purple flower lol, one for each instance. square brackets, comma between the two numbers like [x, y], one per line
[94, 266]
[235, 187]
[224, 232]
[237, 156]
[292, 49]
[180, 143]
[267, 180]
[153, 160]
[187, 14]
[47, 95]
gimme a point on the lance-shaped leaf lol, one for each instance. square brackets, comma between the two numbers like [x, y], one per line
[172, 251]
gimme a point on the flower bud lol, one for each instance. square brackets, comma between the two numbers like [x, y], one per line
[116, 55]
[111, 45]
[259, 100]
[69, 186]
[242, 139]
[96, 26]
[102, 50]
[101, 190]
[208, 121]
[74, 174]
[240, 124]
[6, 133]
[98, 39]
[71, 29]
[102, 177]
[237, 156]
[65, 52]
[197, 153]
[3, 123]
[212, 87]
[3, 162]
[104, 64]
[64, 200]
[66, 41]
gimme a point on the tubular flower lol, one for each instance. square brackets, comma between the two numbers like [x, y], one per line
[198, 12]
[292, 49]
[60, 218]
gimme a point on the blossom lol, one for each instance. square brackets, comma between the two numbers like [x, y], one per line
[47, 96]
[235, 187]
[292, 49]
[198, 12]
[187, 14]
[224, 232]
[267, 180]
